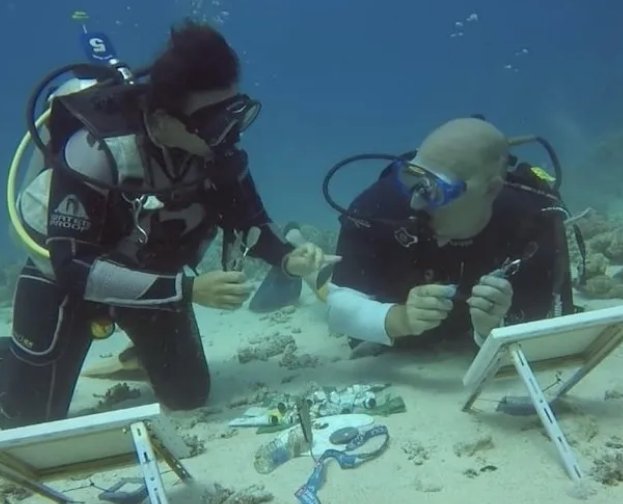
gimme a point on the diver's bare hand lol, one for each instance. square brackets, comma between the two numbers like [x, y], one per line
[307, 259]
[226, 290]
[490, 301]
[426, 307]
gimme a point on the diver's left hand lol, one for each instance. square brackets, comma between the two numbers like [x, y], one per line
[307, 259]
[490, 301]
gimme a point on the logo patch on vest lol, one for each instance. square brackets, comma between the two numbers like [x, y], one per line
[70, 214]
[405, 238]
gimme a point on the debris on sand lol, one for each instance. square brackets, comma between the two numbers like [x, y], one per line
[263, 348]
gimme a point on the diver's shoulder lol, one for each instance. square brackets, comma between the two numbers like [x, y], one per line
[86, 157]
[513, 198]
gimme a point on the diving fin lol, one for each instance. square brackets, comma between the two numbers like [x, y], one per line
[124, 366]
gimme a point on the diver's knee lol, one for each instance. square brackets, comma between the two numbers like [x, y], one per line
[189, 398]
[36, 338]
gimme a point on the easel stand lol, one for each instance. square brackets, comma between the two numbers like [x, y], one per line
[583, 338]
[31, 455]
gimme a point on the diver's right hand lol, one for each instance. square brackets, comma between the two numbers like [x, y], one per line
[226, 290]
[426, 307]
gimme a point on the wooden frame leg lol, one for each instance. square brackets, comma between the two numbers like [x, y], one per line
[26, 481]
[492, 371]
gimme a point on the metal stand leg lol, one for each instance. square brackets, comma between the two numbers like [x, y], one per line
[493, 369]
[33, 485]
[146, 444]
[545, 412]
[148, 463]
[171, 460]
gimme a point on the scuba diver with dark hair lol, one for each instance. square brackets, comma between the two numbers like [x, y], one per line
[454, 239]
[136, 180]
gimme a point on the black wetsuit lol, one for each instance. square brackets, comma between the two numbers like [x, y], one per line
[100, 269]
[385, 262]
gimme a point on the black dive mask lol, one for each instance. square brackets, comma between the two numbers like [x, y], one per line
[217, 123]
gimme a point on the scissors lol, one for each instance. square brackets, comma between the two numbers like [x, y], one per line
[242, 244]
[508, 268]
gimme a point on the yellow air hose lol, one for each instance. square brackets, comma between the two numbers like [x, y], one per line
[100, 328]
[16, 222]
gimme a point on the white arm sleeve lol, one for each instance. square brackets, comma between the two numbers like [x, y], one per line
[357, 315]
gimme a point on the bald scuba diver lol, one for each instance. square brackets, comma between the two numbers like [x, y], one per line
[138, 178]
[452, 241]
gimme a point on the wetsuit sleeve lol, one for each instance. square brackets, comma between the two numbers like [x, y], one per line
[77, 219]
[540, 278]
[361, 267]
[357, 304]
[242, 208]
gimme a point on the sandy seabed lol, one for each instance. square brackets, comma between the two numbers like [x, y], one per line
[437, 453]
